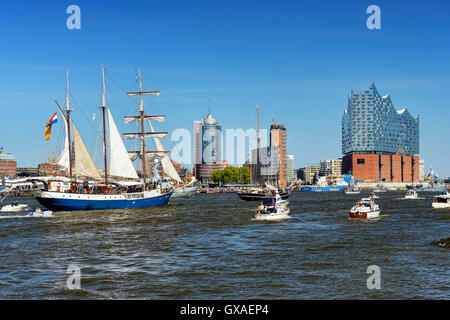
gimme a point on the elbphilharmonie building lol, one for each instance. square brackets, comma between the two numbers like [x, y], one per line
[379, 143]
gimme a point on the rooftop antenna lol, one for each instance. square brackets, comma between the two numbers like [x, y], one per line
[209, 105]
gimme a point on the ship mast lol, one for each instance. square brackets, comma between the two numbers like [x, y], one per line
[68, 124]
[141, 117]
[142, 113]
[258, 172]
[103, 107]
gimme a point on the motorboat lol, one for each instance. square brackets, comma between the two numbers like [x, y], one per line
[375, 196]
[365, 208]
[272, 209]
[411, 194]
[353, 189]
[441, 201]
[380, 188]
[40, 213]
[14, 206]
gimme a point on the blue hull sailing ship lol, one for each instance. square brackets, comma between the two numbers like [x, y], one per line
[131, 194]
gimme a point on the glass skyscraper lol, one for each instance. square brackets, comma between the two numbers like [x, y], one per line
[379, 142]
[371, 124]
[208, 147]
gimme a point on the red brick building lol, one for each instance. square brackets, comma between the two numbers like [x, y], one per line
[8, 164]
[382, 167]
[48, 169]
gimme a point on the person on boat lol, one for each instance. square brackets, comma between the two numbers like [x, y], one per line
[260, 207]
[38, 210]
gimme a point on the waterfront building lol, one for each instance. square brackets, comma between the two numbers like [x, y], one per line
[379, 143]
[274, 166]
[310, 172]
[278, 138]
[208, 148]
[48, 169]
[290, 172]
[8, 164]
[421, 170]
[268, 170]
[330, 167]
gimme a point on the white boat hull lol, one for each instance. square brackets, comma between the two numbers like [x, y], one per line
[272, 216]
[281, 214]
[440, 205]
[10, 208]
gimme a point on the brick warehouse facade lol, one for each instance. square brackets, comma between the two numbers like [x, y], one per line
[379, 143]
[8, 164]
[382, 167]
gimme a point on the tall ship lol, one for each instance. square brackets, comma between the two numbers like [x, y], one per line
[120, 187]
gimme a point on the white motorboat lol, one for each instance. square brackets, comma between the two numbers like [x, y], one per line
[272, 209]
[39, 213]
[411, 194]
[375, 196]
[365, 208]
[380, 188]
[441, 201]
[14, 206]
[354, 189]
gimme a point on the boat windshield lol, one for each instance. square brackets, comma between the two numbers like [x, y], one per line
[268, 201]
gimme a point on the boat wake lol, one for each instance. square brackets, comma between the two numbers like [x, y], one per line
[28, 216]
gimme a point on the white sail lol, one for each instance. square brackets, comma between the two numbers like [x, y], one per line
[165, 161]
[64, 157]
[120, 163]
[84, 165]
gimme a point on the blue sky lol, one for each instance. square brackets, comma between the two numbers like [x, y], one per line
[298, 60]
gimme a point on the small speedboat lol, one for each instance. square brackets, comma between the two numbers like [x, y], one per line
[380, 188]
[14, 206]
[375, 196]
[279, 214]
[353, 190]
[365, 208]
[411, 194]
[272, 209]
[39, 213]
[441, 201]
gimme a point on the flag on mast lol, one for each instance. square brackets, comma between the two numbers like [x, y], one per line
[48, 125]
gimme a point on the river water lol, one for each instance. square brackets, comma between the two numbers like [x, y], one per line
[207, 247]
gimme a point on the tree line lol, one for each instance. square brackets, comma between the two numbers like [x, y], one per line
[231, 175]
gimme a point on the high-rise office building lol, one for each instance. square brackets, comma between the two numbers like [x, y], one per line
[208, 148]
[278, 138]
[290, 172]
[379, 143]
[272, 159]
